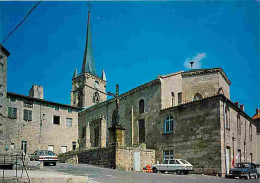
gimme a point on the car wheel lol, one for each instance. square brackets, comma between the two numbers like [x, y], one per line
[178, 172]
[185, 172]
[248, 176]
[155, 170]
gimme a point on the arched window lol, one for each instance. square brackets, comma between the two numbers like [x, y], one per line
[227, 116]
[141, 106]
[96, 98]
[173, 99]
[80, 97]
[168, 124]
[220, 91]
[197, 96]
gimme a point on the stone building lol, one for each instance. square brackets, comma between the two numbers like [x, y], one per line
[29, 123]
[3, 73]
[256, 118]
[185, 115]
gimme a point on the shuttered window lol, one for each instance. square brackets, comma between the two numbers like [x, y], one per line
[27, 115]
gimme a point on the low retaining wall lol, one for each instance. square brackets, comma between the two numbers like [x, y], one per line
[125, 158]
[104, 157]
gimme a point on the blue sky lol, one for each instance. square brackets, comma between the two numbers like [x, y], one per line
[134, 42]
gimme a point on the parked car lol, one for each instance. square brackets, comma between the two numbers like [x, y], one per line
[175, 165]
[243, 170]
[258, 170]
[45, 156]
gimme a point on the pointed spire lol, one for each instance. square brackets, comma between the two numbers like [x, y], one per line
[75, 74]
[88, 60]
[103, 76]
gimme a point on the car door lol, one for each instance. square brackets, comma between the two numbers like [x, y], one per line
[172, 165]
[163, 166]
[179, 165]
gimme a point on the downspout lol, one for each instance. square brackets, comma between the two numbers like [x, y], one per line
[225, 146]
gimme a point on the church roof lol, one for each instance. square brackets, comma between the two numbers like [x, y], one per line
[88, 60]
[204, 71]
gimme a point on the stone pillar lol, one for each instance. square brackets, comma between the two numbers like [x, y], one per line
[117, 136]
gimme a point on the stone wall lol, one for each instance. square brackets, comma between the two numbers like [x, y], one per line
[128, 115]
[237, 138]
[196, 135]
[125, 158]
[103, 157]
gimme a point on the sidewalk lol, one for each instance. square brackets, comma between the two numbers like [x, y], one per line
[41, 177]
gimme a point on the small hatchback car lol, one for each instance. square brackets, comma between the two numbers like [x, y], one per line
[175, 165]
[246, 170]
[45, 156]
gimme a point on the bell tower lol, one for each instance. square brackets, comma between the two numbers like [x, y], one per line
[87, 88]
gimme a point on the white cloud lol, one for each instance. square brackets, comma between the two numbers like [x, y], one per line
[196, 59]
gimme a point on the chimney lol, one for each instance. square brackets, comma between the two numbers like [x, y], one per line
[237, 104]
[257, 111]
[36, 92]
[242, 107]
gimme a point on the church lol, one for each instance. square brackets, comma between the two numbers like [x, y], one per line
[187, 114]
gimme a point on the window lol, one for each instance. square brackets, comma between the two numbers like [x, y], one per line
[114, 117]
[197, 96]
[141, 131]
[227, 118]
[168, 124]
[83, 132]
[96, 98]
[56, 120]
[74, 145]
[250, 132]
[28, 103]
[220, 91]
[238, 125]
[69, 110]
[80, 98]
[168, 155]
[69, 122]
[12, 145]
[63, 149]
[57, 108]
[51, 148]
[180, 98]
[141, 106]
[238, 156]
[12, 112]
[173, 99]
[27, 115]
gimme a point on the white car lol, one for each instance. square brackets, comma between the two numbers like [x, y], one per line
[175, 165]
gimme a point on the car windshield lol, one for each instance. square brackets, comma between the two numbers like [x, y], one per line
[46, 153]
[242, 165]
[183, 161]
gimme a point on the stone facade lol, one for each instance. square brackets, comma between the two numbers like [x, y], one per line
[195, 100]
[3, 112]
[256, 119]
[34, 125]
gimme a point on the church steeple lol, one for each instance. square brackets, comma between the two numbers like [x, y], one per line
[88, 60]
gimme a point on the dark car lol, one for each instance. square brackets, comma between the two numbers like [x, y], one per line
[243, 170]
[258, 169]
[47, 157]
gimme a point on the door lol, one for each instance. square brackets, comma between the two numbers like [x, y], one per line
[63, 149]
[227, 158]
[51, 148]
[137, 161]
[24, 147]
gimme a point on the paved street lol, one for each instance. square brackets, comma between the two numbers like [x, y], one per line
[103, 175]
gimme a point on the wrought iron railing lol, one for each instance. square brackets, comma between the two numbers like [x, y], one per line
[8, 162]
